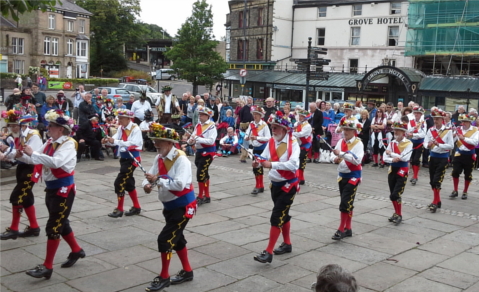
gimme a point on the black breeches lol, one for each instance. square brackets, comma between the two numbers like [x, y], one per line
[463, 163]
[125, 180]
[437, 170]
[397, 183]
[59, 209]
[282, 203]
[22, 194]
[171, 236]
[202, 164]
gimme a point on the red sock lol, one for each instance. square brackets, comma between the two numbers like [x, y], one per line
[52, 246]
[382, 159]
[455, 181]
[316, 155]
[399, 207]
[72, 242]
[165, 265]
[344, 219]
[437, 197]
[273, 237]
[415, 169]
[120, 203]
[286, 232]
[309, 154]
[207, 188]
[466, 185]
[183, 255]
[348, 220]
[375, 158]
[134, 199]
[32, 218]
[257, 181]
[395, 205]
[201, 186]
[301, 174]
[260, 181]
[15, 218]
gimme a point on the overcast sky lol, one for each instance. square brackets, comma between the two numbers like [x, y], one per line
[171, 14]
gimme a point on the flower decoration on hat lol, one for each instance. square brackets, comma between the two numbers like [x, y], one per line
[57, 116]
[466, 118]
[306, 114]
[350, 124]
[124, 113]
[109, 100]
[418, 109]
[399, 126]
[438, 113]
[348, 106]
[160, 132]
[166, 88]
[279, 119]
[11, 116]
[205, 110]
[258, 109]
[26, 119]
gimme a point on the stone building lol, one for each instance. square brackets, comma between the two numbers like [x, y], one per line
[58, 41]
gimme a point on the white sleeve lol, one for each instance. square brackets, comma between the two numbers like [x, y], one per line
[293, 163]
[473, 140]
[153, 170]
[358, 151]
[183, 170]
[63, 155]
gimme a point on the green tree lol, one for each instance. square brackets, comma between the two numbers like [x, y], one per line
[113, 25]
[193, 53]
[14, 8]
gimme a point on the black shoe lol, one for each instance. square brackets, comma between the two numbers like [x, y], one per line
[309, 161]
[264, 257]
[78, 160]
[375, 165]
[257, 191]
[115, 157]
[116, 214]
[381, 166]
[182, 277]
[73, 258]
[243, 161]
[397, 220]
[133, 211]
[199, 201]
[158, 284]
[283, 248]
[439, 205]
[338, 235]
[433, 208]
[206, 200]
[316, 161]
[425, 165]
[9, 234]
[348, 232]
[454, 194]
[464, 196]
[301, 182]
[29, 232]
[393, 217]
[414, 181]
[40, 271]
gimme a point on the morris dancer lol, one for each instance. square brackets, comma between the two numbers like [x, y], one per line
[281, 156]
[398, 154]
[467, 139]
[27, 174]
[204, 139]
[130, 142]
[349, 152]
[416, 132]
[258, 132]
[302, 131]
[440, 141]
[58, 157]
[171, 172]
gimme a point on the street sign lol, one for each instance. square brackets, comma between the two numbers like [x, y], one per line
[243, 72]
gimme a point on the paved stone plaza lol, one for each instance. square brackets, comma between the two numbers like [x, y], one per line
[427, 252]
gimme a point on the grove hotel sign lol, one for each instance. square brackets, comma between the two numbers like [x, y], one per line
[379, 20]
[382, 71]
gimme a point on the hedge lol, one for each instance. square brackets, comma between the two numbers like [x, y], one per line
[96, 81]
[11, 76]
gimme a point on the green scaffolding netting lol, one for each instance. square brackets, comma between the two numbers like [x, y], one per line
[443, 27]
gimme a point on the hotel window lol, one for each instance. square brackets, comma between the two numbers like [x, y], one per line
[355, 36]
[321, 11]
[46, 46]
[260, 16]
[70, 25]
[242, 20]
[81, 27]
[51, 21]
[259, 49]
[70, 44]
[17, 46]
[242, 53]
[395, 8]
[81, 49]
[321, 36]
[357, 10]
[18, 66]
[393, 36]
[55, 46]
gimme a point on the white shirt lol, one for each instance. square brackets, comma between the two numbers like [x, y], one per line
[180, 172]
[235, 139]
[306, 130]
[473, 140]
[209, 136]
[285, 162]
[389, 158]
[167, 109]
[358, 150]
[134, 139]
[421, 132]
[263, 135]
[139, 109]
[65, 157]
[35, 142]
[441, 148]
[145, 126]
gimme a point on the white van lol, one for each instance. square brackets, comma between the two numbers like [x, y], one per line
[164, 74]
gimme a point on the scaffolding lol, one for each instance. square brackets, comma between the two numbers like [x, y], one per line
[443, 28]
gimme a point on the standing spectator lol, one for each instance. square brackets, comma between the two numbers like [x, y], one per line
[119, 104]
[200, 102]
[64, 103]
[184, 103]
[215, 108]
[455, 116]
[245, 114]
[139, 107]
[316, 122]
[190, 110]
[270, 108]
[40, 97]
[19, 81]
[239, 106]
[98, 105]
[40, 82]
[29, 82]
[378, 126]
[130, 102]
[206, 98]
[366, 127]
[85, 109]
[96, 92]
[167, 105]
[78, 96]
[218, 89]
[372, 109]
[219, 104]
[13, 98]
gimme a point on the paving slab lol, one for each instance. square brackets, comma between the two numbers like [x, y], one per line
[286, 273]
[313, 260]
[457, 263]
[242, 236]
[448, 277]
[222, 250]
[56, 288]
[355, 253]
[114, 239]
[418, 260]
[128, 256]
[445, 246]
[391, 275]
[23, 282]
[254, 283]
[421, 284]
[466, 237]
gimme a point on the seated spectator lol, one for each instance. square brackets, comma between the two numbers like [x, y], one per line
[89, 134]
[333, 278]
[229, 143]
[228, 119]
[145, 128]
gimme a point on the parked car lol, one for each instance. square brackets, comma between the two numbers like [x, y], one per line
[166, 74]
[116, 92]
[151, 93]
